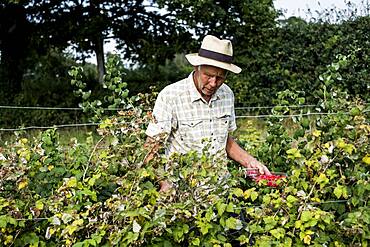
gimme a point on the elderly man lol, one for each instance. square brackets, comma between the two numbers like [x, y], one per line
[201, 107]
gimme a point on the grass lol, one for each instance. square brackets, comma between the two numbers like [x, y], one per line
[247, 126]
[246, 129]
[65, 135]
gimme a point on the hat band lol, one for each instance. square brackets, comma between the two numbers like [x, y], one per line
[215, 55]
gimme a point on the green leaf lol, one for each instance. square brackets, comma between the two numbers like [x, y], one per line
[266, 199]
[312, 222]
[243, 239]
[79, 244]
[130, 237]
[71, 182]
[30, 238]
[254, 195]
[222, 238]
[278, 233]
[220, 208]
[196, 242]
[209, 214]
[204, 227]
[233, 223]
[255, 228]
[270, 222]
[238, 192]
[230, 207]
[338, 191]
[293, 153]
[366, 159]
[291, 199]
[306, 216]
[322, 180]
[39, 205]
[3, 221]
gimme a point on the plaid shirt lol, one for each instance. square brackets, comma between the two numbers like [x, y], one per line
[191, 122]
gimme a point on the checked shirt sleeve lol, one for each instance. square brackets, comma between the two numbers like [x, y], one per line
[162, 114]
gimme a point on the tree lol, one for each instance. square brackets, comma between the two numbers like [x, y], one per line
[144, 33]
[14, 43]
[250, 25]
[86, 24]
[244, 22]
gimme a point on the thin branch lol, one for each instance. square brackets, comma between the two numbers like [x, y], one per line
[88, 163]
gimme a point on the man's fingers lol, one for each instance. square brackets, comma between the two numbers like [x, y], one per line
[261, 170]
[258, 166]
[266, 170]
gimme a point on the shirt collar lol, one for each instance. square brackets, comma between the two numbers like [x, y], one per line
[193, 91]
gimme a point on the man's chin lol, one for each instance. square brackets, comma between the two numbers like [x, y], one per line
[208, 92]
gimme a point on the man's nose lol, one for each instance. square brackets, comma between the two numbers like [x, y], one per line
[213, 81]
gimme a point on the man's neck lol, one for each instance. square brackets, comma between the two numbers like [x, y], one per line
[206, 97]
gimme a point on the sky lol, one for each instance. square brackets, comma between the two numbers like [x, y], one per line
[300, 7]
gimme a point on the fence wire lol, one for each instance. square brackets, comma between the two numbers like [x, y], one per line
[183, 120]
[119, 109]
[246, 116]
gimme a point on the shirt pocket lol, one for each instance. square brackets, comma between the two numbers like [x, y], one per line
[222, 127]
[191, 131]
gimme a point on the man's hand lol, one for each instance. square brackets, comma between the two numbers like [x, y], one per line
[152, 146]
[255, 164]
[235, 152]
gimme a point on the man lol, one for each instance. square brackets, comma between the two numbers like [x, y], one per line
[201, 107]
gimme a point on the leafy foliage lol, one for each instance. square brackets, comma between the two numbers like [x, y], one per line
[101, 193]
[45, 83]
[293, 56]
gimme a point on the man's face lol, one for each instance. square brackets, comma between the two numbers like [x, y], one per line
[209, 79]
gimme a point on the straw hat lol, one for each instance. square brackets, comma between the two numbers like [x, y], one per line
[215, 52]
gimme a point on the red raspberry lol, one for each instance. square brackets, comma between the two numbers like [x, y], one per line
[271, 179]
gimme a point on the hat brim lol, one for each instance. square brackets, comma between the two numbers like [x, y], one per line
[196, 60]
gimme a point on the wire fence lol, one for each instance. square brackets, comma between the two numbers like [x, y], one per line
[77, 125]
[119, 109]
[195, 119]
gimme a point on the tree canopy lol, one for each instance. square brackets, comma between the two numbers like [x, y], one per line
[141, 29]
[275, 55]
